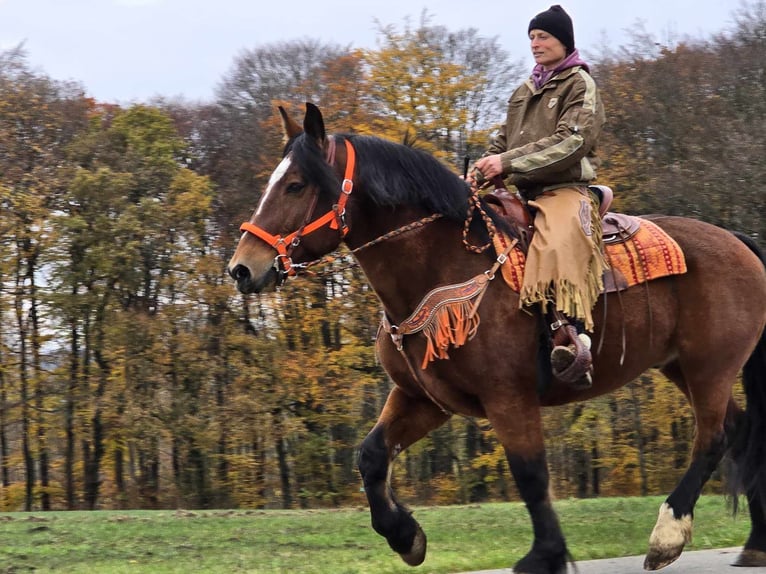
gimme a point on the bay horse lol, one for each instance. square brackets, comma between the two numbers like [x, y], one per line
[403, 213]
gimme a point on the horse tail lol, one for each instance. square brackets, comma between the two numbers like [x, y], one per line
[748, 450]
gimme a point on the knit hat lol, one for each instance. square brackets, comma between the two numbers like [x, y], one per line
[556, 22]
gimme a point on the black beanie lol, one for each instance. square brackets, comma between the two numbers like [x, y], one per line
[556, 22]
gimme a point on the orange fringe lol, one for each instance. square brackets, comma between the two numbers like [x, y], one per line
[452, 324]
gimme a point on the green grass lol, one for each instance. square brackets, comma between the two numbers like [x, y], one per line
[460, 538]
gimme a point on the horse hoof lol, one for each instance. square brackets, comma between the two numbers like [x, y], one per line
[417, 552]
[751, 558]
[655, 560]
[668, 538]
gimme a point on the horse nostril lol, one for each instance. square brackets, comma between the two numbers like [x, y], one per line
[239, 273]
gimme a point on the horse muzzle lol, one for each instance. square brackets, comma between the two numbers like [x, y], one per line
[248, 283]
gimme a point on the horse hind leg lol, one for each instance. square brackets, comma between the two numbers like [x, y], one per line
[749, 455]
[404, 421]
[673, 529]
[738, 432]
[754, 552]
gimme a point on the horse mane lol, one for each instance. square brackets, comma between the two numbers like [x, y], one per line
[391, 174]
[394, 174]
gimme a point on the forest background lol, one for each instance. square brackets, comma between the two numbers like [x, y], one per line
[133, 375]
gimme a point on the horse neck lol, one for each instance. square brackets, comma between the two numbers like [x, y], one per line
[402, 269]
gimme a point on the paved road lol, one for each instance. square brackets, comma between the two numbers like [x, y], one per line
[695, 562]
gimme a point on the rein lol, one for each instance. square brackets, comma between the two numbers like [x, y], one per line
[327, 259]
[474, 203]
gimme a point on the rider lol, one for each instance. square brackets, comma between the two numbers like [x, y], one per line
[547, 149]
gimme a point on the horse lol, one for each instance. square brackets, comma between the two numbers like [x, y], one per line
[404, 216]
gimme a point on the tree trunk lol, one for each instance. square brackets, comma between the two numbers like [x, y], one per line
[260, 456]
[69, 415]
[149, 474]
[93, 452]
[42, 447]
[595, 467]
[5, 478]
[478, 490]
[119, 476]
[42, 430]
[21, 325]
[92, 478]
[582, 466]
[284, 468]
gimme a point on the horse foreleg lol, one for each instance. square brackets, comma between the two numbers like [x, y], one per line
[403, 421]
[549, 553]
[521, 436]
[673, 529]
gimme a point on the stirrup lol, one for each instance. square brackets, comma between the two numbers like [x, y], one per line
[572, 363]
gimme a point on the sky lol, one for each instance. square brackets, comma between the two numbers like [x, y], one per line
[128, 51]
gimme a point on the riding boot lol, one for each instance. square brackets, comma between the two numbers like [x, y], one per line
[571, 359]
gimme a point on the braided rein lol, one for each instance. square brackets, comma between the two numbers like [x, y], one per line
[327, 259]
[474, 204]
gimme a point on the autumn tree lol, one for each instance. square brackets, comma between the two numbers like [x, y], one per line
[39, 117]
[445, 90]
[681, 124]
[132, 210]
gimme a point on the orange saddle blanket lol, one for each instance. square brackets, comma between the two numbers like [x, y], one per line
[648, 254]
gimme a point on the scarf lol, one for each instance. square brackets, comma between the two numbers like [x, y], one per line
[540, 76]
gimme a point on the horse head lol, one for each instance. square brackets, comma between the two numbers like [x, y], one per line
[285, 232]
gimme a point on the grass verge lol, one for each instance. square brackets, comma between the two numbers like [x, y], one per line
[460, 538]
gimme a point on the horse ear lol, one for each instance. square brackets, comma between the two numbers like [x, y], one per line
[313, 124]
[289, 125]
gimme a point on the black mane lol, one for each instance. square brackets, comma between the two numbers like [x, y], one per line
[391, 174]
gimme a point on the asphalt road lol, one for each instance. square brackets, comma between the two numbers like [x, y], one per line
[695, 562]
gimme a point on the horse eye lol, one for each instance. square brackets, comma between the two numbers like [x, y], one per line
[295, 187]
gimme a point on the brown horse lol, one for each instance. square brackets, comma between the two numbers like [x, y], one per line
[403, 215]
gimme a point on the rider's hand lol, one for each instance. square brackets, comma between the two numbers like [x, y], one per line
[490, 166]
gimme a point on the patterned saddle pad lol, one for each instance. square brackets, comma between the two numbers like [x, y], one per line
[647, 254]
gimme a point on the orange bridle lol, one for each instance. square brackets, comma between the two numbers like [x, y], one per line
[336, 218]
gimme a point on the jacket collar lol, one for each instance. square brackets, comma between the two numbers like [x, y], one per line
[551, 83]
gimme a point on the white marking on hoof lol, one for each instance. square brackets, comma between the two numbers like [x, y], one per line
[668, 538]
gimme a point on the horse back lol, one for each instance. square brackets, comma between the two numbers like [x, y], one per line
[721, 299]
[717, 256]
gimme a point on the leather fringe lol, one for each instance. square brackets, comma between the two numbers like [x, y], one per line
[452, 324]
